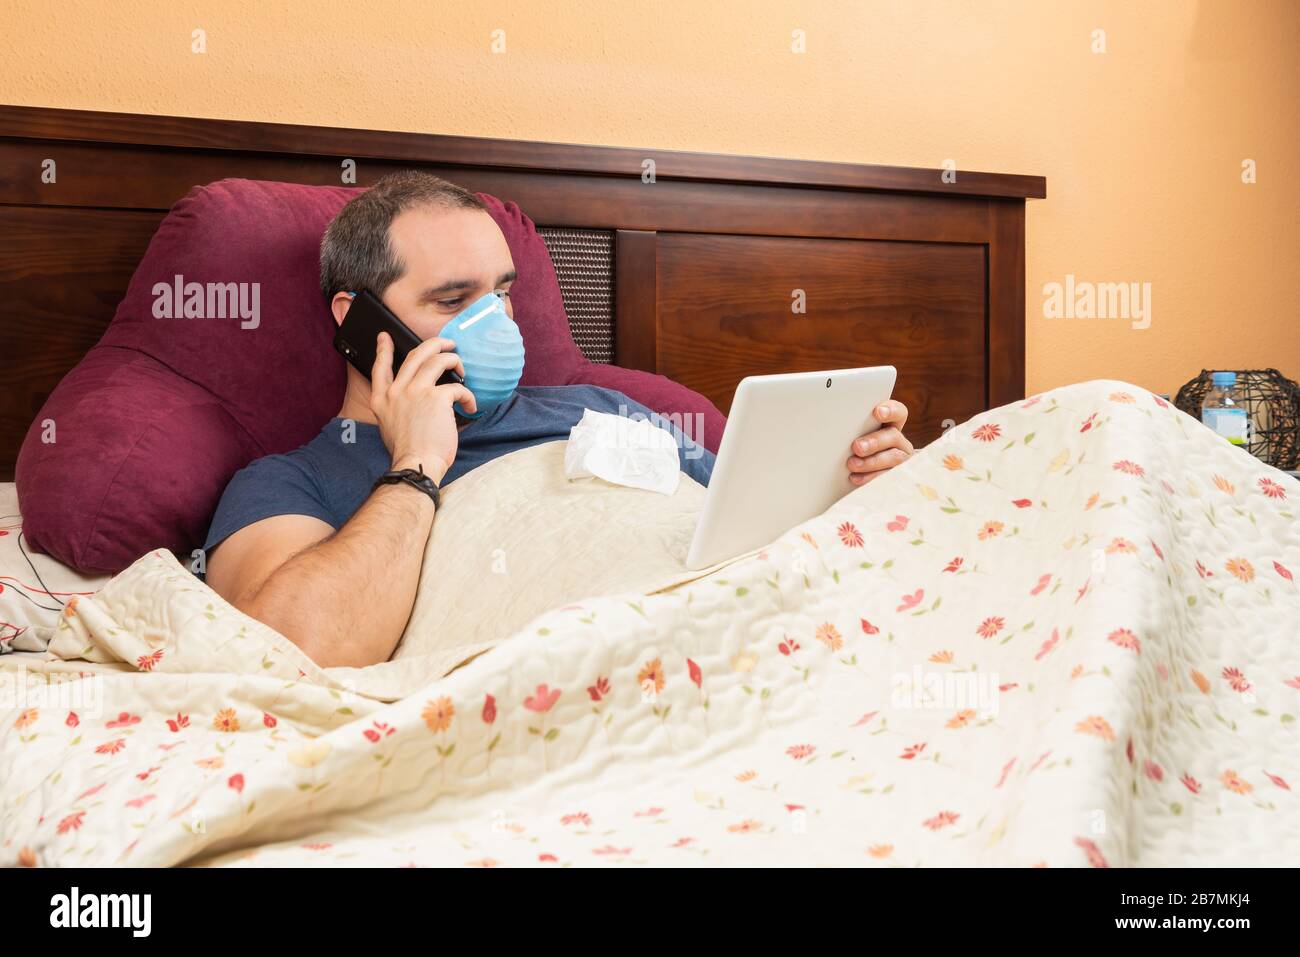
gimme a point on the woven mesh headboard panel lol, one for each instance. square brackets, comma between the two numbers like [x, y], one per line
[584, 264]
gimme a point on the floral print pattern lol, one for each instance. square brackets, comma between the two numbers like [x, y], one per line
[1061, 635]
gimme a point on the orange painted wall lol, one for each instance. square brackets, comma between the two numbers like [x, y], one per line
[1142, 145]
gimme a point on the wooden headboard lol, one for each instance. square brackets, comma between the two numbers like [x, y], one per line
[712, 254]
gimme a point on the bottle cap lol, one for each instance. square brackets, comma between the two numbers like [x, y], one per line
[1224, 379]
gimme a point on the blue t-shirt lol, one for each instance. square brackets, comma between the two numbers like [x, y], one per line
[331, 476]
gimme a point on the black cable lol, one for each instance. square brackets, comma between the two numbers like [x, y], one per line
[30, 564]
[19, 591]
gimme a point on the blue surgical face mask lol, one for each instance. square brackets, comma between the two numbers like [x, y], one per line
[492, 350]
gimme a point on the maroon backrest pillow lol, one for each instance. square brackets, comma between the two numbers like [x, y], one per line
[150, 426]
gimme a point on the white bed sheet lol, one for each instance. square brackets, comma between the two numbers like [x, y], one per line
[33, 587]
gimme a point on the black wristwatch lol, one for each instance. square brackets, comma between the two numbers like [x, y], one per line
[414, 478]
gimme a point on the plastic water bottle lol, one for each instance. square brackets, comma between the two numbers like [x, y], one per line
[1223, 410]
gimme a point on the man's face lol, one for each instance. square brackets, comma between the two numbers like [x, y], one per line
[452, 257]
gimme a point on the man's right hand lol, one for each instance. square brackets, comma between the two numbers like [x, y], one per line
[416, 418]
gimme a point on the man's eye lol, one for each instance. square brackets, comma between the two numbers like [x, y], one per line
[503, 293]
[449, 303]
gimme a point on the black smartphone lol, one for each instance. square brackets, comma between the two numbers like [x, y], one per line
[367, 317]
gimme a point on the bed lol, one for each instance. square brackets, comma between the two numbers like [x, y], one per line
[1057, 636]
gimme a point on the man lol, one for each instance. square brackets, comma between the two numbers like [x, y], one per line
[307, 542]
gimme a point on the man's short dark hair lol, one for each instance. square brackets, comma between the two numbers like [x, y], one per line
[356, 252]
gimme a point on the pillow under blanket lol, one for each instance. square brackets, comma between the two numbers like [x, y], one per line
[516, 538]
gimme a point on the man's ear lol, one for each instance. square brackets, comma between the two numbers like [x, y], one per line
[340, 305]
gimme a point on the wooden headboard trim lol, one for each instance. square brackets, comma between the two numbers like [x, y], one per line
[38, 123]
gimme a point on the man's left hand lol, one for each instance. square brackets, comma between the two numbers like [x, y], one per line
[872, 455]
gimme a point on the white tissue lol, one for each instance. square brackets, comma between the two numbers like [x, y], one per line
[624, 451]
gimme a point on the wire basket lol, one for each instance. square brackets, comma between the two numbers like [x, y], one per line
[1273, 403]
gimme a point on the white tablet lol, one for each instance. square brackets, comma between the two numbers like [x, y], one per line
[784, 456]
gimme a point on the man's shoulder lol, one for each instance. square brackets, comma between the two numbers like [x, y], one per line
[283, 469]
[326, 479]
[339, 440]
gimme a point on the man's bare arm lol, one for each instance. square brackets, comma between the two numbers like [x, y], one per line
[343, 598]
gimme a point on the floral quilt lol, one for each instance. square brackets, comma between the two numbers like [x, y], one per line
[1065, 634]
